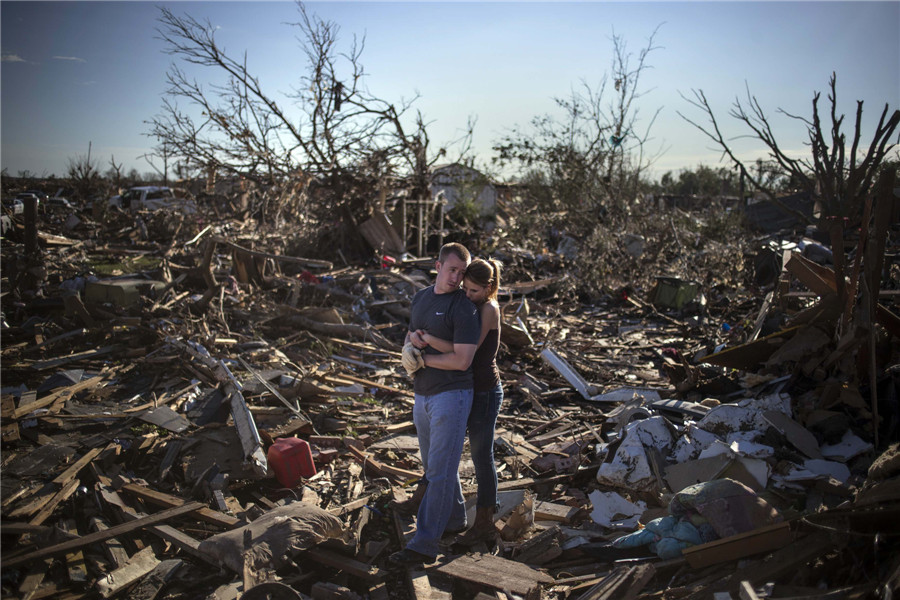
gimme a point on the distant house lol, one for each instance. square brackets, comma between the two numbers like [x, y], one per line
[455, 181]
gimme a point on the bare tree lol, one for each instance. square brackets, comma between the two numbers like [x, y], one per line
[85, 175]
[594, 155]
[853, 183]
[840, 178]
[344, 140]
[114, 173]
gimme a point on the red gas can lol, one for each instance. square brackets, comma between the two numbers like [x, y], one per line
[291, 460]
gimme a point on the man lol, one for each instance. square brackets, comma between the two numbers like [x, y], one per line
[443, 398]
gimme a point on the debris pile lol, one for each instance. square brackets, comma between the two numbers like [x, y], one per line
[187, 411]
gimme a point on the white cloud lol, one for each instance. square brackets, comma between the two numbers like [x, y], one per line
[10, 57]
[75, 58]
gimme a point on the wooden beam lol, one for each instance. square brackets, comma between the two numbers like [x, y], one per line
[65, 393]
[496, 573]
[67, 475]
[139, 565]
[364, 571]
[62, 495]
[99, 536]
[161, 499]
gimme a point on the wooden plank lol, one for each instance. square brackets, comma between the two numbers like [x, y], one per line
[350, 566]
[149, 588]
[137, 566]
[496, 573]
[44, 513]
[160, 499]
[9, 432]
[67, 475]
[64, 393]
[52, 363]
[738, 546]
[98, 536]
[112, 547]
[420, 587]
[548, 511]
[747, 592]
[33, 579]
[369, 461]
[74, 560]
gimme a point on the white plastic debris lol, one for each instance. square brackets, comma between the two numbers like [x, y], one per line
[630, 467]
[850, 446]
[612, 510]
[692, 443]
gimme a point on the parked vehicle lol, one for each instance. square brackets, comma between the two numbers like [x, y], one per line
[23, 196]
[14, 205]
[59, 204]
[151, 197]
[41, 196]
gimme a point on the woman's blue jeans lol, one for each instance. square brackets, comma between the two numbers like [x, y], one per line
[482, 424]
[441, 428]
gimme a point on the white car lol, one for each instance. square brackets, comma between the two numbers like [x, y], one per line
[14, 205]
[151, 197]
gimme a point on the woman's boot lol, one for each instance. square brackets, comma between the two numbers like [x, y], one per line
[482, 530]
[410, 506]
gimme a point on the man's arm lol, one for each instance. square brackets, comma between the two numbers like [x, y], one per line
[441, 345]
[458, 360]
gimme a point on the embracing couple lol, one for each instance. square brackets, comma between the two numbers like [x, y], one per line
[450, 351]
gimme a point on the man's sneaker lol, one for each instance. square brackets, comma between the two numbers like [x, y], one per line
[409, 558]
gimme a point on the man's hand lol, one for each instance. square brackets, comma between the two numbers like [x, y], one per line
[417, 339]
[411, 359]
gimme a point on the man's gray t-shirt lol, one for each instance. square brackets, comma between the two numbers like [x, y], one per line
[450, 317]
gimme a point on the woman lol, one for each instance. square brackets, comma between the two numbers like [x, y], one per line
[481, 284]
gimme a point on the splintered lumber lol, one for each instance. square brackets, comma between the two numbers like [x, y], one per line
[307, 262]
[112, 547]
[149, 588]
[58, 362]
[33, 579]
[9, 431]
[623, 583]
[175, 537]
[161, 499]
[240, 412]
[137, 566]
[61, 496]
[497, 573]
[62, 394]
[99, 536]
[67, 475]
[74, 560]
[396, 473]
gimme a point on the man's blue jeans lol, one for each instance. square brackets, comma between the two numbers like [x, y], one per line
[482, 425]
[441, 428]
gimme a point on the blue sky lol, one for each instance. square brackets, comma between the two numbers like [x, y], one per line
[75, 73]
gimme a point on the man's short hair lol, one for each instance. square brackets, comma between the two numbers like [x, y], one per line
[454, 248]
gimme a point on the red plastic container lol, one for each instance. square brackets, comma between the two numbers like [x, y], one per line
[291, 460]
